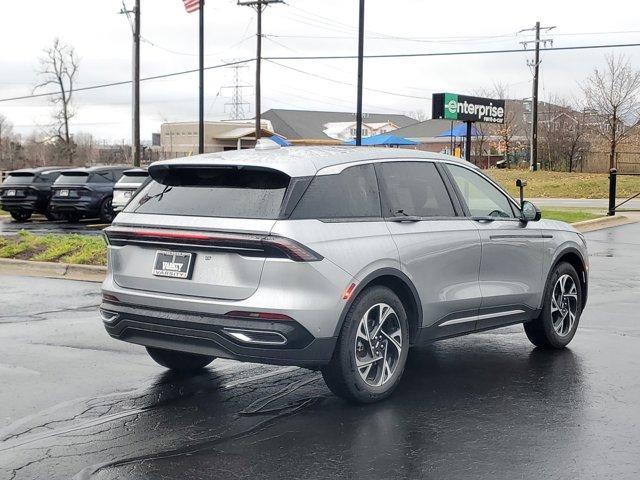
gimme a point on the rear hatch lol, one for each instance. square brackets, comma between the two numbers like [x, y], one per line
[197, 231]
[124, 188]
[17, 186]
[70, 185]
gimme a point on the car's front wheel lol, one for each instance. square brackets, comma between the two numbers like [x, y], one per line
[179, 361]
[371, 351]
[562, 305]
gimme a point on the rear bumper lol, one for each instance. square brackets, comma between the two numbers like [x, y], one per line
[75, 206]
[209, 334]
[22, 205]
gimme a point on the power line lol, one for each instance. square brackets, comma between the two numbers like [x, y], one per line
[127, 82]
[335, 57]
[445, 54]
[329, 79]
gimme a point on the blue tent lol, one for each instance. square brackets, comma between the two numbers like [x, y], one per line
[280, 140]
[460, 131]
[384, 139]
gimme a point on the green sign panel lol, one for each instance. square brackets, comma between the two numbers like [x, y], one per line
[463, 108]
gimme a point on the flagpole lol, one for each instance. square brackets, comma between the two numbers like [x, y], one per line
[201, 74]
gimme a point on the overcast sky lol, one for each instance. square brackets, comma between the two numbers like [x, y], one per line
[102, 39]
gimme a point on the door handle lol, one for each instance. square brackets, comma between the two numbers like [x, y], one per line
[406, 218]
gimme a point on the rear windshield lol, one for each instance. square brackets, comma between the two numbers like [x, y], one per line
[136, 178]
[19, 178]
[233, 192]
[72, 178]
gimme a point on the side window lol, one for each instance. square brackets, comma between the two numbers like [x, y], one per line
[99, 178]
[482, 198]
[353, 193]
[415, 189]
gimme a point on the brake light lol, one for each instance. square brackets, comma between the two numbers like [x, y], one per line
[258, 315]
[239, 242]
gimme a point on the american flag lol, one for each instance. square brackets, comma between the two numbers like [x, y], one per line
[191, 5]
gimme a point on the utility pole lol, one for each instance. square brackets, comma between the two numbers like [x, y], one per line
[237, 103]
[534, 96]
[135, 92]
[201, 79]
[259, 5]
[360, 68]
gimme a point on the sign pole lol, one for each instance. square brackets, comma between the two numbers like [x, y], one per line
[201, 74]
[360, 67]
[467, 151]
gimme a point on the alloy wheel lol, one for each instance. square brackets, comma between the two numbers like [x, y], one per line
[378, 344]
[564, 305]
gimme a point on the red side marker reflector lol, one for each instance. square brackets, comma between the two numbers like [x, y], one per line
[109, 298]
[258, 315]
[349, 291]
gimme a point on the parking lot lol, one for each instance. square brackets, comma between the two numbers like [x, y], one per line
[39, 225]
[76, 404]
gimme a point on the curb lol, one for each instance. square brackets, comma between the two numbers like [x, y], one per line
[93, 273]
[87, 273]
[602, 222]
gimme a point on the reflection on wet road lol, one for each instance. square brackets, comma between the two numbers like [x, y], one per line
[40, 226]
[484, 406]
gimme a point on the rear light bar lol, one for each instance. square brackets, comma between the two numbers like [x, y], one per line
[237, 242]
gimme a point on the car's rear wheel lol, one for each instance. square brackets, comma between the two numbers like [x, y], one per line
[179, 361]
[50, 215]
[21, 216]
[562, 305]
[371, 351]
[106, 211]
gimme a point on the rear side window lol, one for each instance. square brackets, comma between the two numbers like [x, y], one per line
[103, 177]
[353, 193]
[229, 192]
[414, 189]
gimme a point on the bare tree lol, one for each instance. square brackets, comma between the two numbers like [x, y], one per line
[563, 131]
[7, 144]
[509, 129]
[59, 67]
[612, 93]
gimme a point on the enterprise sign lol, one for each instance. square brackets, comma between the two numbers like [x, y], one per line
[451, 106]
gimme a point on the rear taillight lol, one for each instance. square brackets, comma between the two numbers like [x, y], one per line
[241, 243]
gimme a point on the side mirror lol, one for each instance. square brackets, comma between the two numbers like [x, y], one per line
[530, 213]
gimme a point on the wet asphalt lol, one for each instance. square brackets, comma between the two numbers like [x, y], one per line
[76, 404]
[39, 225]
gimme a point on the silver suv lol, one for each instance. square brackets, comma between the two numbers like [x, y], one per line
[333, 258]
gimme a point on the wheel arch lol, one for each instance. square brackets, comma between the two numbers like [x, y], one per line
[575, 258]
[402, 286]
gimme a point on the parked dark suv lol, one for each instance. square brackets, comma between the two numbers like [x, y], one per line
[27, 191]
[85, 193]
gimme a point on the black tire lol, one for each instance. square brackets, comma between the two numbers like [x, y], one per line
[72, 217]
[21, 216]
[49, 215]
[541, 331]
[106, 211]
[341, 375]
[179, 361]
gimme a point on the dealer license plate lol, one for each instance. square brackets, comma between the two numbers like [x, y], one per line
[173, 264]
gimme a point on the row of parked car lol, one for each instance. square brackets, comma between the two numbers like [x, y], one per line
[66, 193]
